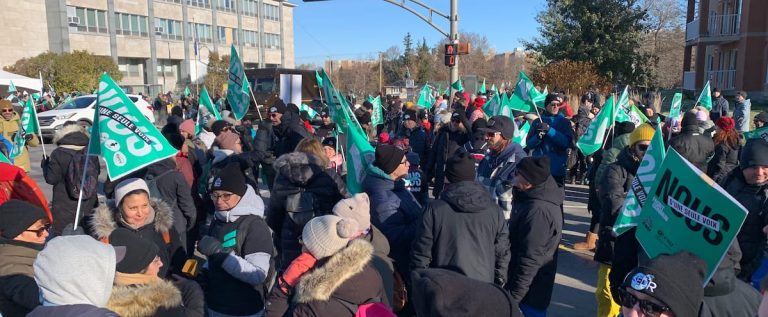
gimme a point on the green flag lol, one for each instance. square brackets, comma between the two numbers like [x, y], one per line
[426, 99]
[11, 87]
[677, 103]
[360, 153]
[493, 106]
[521, 134]
[238, 89]
[482, 88]
[35, 96]
[761, 133]
[4, 159]
[687, 211]
[592, 140]
[636, 116]
[457, 85]
[641, 185]
[705, 98]
[377, 117]
[207, 112]
[319, 80]
[122, 135]
[187, 92]
[525, 95]
[311, 112]
[27, 125]
[622, 108]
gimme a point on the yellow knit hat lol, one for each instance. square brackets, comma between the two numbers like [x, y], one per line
[642, 133]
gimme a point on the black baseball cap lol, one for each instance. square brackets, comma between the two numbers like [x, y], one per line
[500, 124]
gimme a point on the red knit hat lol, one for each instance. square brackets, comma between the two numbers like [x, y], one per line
[726, 123]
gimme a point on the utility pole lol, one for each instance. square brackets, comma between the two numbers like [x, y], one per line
[381, 72]
[454, 39]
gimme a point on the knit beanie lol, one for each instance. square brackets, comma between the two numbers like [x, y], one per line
[460, 167]
[127, 186]
[624, 127]
[410, 114]
[754, 153]
[702, 116]
[278, 107]
[388, 158]
[227, 141]
[726, 123]
[762, 116]
[325, 235]
[534, 169]
[689, 119]
[16, 216]
[175, 139]
[357, 207]
[330, 142]
[643, 133]
[139, 252]
[187, 126]
[231, 179]
[217, 126]
[675, 280]
[6, 104]
[413, 158]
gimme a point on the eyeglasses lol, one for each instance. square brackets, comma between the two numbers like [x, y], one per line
[41, 230]
[224, 197]
[7, 110]
[642, 147]
[648, 308]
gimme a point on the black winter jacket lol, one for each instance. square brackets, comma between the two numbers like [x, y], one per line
[463, 231]
[751, 237]
[175, 192]
[726, 158]
[726, 295]
[535, 228]
[282, 138]
[693, 146]
[300, 172]
[446, 144]
[613, 190]
[19, 293]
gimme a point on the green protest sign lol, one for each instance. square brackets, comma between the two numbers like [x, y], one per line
[377, 117]
[122, 135]
[677, 103]
[238, 88]
[622, 109]
[686, 210]
[638, 192]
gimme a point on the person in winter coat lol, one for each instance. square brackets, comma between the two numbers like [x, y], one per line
[496, 170]
[238, 247]
[183, 165]
[623, 131]
[551, 136]
[175, 192]
[475, 110]
[23, 231]
[287, 131]
[327, 128]
[344, 273]
[726, 295]
[416, 135]
[302, 190]
[70, 139]
[394, 209]
[535, 229]
[707, 127]
[138, 291]
[75, 276]
[448, 140]
[335, 160]
[465, 210]
[613, 190]
[741, 111]
[727, 148]
[760, 120]
[9, 126]
[446, 293]
[748, 184]
[720, 106]
[150, 218]
[691, 144]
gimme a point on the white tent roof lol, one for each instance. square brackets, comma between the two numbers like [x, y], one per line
[21, 82]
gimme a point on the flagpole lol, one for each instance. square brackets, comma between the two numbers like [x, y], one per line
[82, 180]
[254, 101]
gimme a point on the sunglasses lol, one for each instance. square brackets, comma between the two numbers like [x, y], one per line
[7, 110]
[492, 134]
[642, 147]
[41, 230]
[648, 308]
[273, 115]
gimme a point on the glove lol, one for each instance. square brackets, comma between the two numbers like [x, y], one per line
[209, 246]
[543, 126]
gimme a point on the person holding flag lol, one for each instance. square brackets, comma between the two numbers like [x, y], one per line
[13, 130]
[552, 135]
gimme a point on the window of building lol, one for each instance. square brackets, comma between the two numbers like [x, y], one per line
[171, 1]
[222, 32]
[250, 38]
[250, 8]
[203, 32]
[169, 29]
[129, 24]
[90, 20]
[166, 67]
[271, 40]
[226, 5]
[129, 67]
[271, 12]
[199, 3]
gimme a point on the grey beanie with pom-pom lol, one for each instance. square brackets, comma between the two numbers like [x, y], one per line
[323, 236]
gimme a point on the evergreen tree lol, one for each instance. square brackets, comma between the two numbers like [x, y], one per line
[408, 56]
[425, 63]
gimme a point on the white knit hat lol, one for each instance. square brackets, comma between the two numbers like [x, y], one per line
[325, 235]
[128, 186]
[357, 207]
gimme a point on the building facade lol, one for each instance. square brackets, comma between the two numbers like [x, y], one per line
[158, 45]
[727, 44]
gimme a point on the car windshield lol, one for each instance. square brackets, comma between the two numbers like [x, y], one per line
[264, 85]
[77, 103]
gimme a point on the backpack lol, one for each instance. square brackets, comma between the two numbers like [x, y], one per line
[373, 307]
[301, 207]
[244, 226]
[75, 175]
[151, 181]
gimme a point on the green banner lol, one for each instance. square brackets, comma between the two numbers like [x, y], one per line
[636, 116]
[457, 85]
[592, 140]
[525, 96]
[377, 117]
[686, 210]
[521, 134]
[677, 104]
[622, 109]
[27, 125]
[482, 89]
[206, 112]
[641, 185]
[238, 88]
[761, 133]
[4, 159]
[311, 112]
[426, 100]
[705, 98]
[360, 153]
[122, 135]
[11, 87]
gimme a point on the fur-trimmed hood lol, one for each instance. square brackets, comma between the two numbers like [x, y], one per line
[105, 217]
[298, 167]
[329, 278]
[73, 134]
[144, 300]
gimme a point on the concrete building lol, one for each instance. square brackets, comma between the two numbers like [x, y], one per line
[726, 43]
[159, 45]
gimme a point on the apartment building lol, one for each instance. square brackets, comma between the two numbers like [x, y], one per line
[726, 43]
[159, 45]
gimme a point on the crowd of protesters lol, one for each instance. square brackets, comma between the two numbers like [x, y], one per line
[254, 217]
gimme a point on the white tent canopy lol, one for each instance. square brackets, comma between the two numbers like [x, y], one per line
[22, 83]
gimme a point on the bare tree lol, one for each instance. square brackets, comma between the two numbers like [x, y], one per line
[664, 41]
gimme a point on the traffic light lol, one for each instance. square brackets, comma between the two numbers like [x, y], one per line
[450, 49]
[450, 60]
[450, 54]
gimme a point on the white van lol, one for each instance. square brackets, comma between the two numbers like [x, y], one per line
[80, 110]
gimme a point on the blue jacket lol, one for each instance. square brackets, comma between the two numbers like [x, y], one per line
[394, 211]
[554, 144]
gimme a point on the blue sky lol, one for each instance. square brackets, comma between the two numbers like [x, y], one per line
[358, 29]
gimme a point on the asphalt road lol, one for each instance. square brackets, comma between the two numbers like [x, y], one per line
[577, 273]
